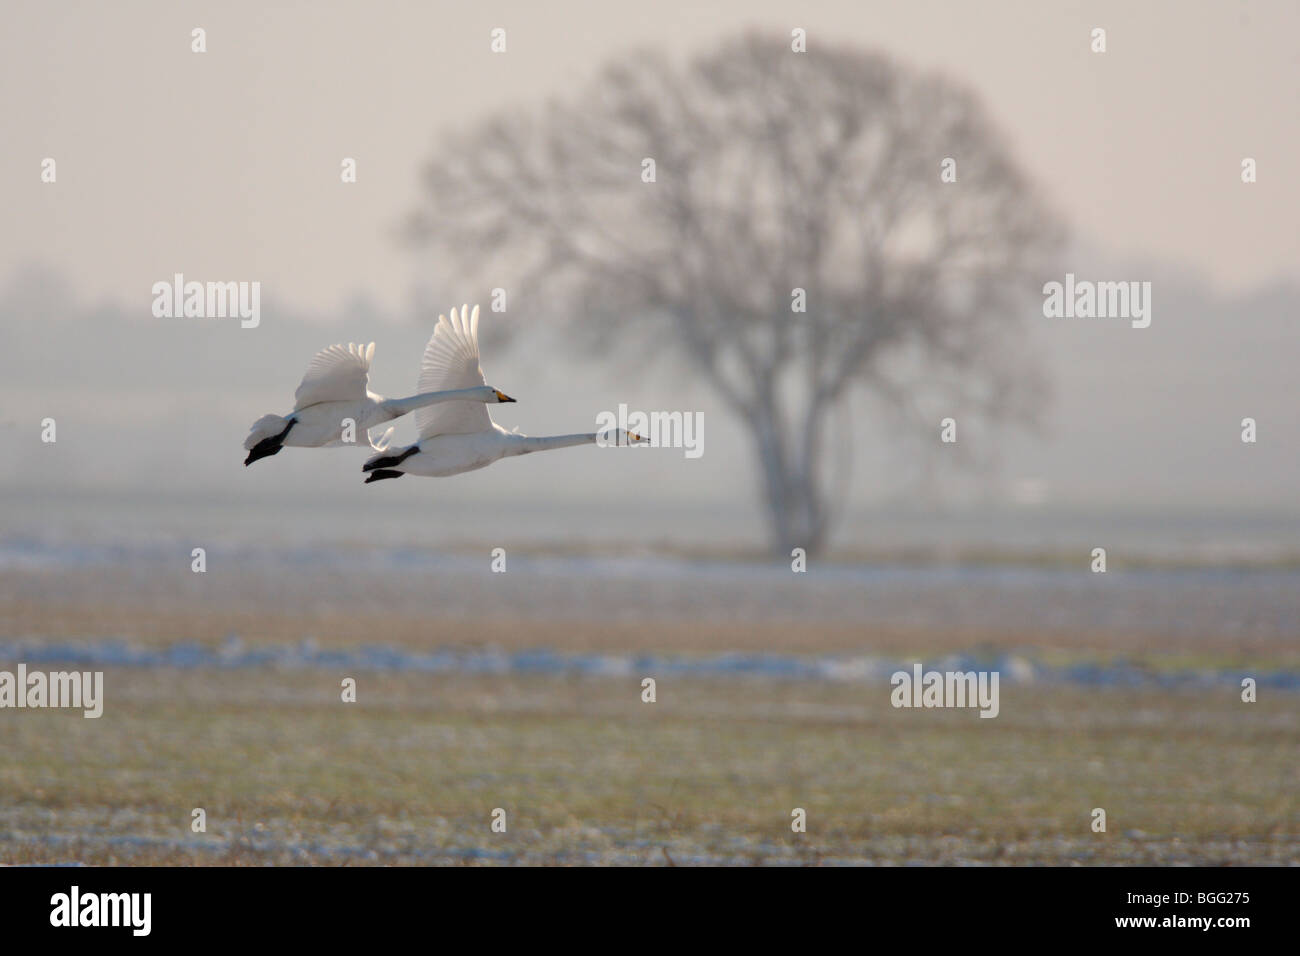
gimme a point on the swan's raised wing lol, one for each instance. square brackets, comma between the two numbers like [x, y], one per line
[451, 362]
[336, 374]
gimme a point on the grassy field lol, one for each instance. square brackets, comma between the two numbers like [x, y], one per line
[587, 773]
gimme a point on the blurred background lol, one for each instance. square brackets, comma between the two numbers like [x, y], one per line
[523, 170]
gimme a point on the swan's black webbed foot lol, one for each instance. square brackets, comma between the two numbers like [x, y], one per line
[268, 446]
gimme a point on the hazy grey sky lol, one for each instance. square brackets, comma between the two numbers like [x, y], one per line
[226, 164]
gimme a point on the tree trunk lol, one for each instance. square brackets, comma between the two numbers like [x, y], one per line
[796, 511]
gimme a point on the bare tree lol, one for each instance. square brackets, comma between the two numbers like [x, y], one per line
[774, 171]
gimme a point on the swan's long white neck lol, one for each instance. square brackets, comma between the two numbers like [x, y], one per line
[396, 407]
[524, 444]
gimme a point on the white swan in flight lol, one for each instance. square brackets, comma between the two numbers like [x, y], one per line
[458, 436]
[334, 389]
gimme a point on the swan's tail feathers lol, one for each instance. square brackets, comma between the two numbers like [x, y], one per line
[266, 437]
[381, 474]
[384, 440]
[390, 461]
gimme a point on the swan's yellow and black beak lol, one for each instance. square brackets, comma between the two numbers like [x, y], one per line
[503, 397]
[635, 437]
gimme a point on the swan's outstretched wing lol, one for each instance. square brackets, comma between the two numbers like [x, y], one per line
[337, 374]
[451, 362]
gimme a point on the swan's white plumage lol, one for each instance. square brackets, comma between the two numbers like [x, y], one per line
[458, 436]
[264, 427]
[339, 373]
[334, 404]
[451, 361]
